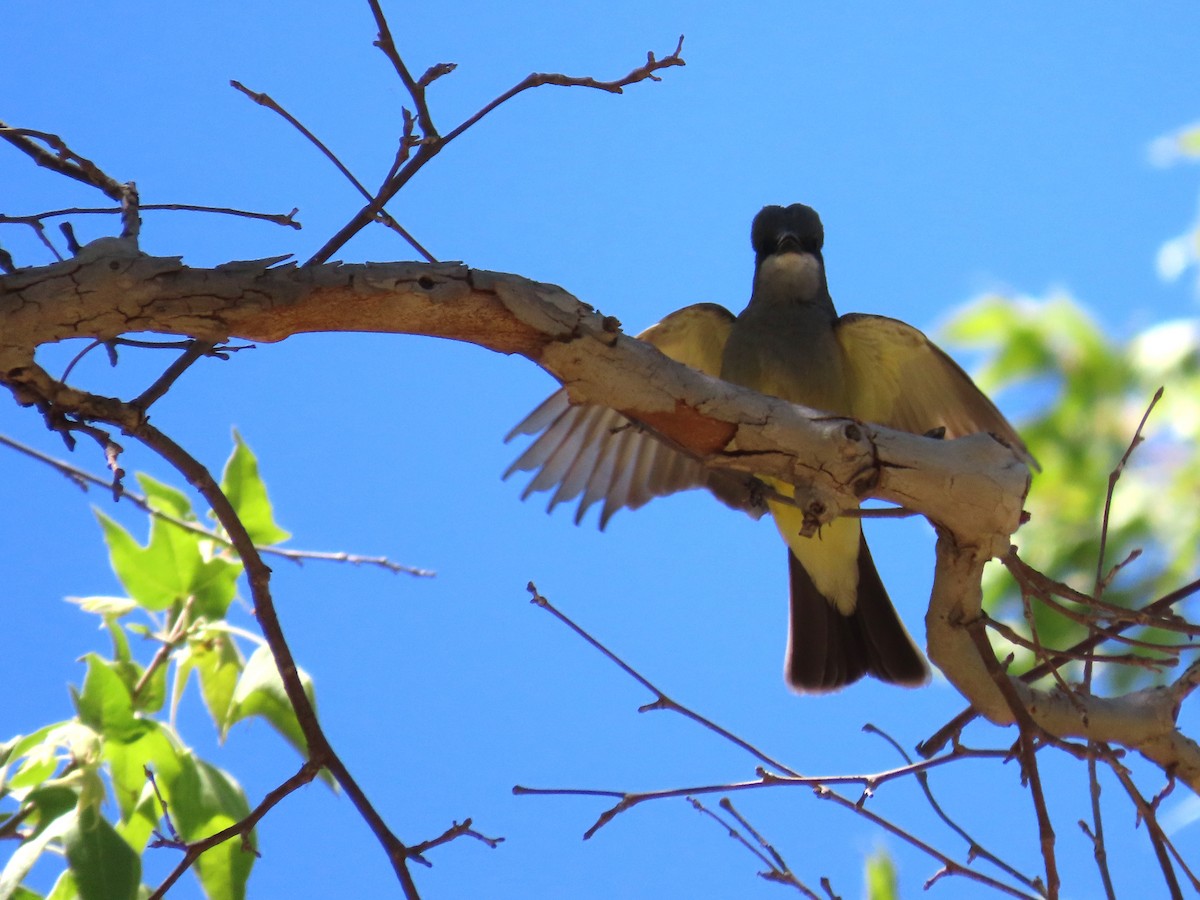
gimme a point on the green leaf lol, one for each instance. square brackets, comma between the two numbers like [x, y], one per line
[260, 692]
[217, 662]
[881, 877]
[105, 704]
[40, 752]
[205, 800]
[166, 499]
[105, 606]
[246, 491]
[215, 586]
[40, 764]
[64, 888]
[120, 640]
[49, 803]
[159, 574]
[128, 760]
[27, 853]
[104, 866]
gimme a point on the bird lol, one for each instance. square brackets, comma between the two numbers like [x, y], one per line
[789, 342]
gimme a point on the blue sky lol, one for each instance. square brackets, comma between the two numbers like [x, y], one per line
[949, 150]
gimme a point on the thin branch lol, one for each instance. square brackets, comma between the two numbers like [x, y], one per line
[287, 220]
[616, 86]
[431, 143]
[935, 742]
[975, 850]
[662, 701]
[321, 753]
[1148, 813]
[83, 478]
[1126, 659]
[1027, 753]
[173, 637]
[949, 866]
[626, 800]
[1096, 832]
[415, 89]
[242, 829]
[417, 851]
[60, 158]
[1113, 477]
[267, 101]
[777, 870]
[195, 351]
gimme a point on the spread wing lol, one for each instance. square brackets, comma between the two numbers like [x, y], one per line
[595, 453]
[903, 380]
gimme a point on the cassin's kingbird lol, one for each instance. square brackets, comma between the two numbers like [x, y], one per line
[789, 342]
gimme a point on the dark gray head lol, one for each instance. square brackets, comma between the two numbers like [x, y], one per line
[783, 229]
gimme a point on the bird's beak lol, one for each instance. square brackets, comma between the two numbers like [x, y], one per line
[788, 242]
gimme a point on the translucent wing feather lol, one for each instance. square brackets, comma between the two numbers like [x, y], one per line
[596, 453]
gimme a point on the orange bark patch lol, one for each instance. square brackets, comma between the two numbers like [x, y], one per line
[688, 428]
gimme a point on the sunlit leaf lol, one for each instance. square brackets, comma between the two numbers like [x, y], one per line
[24, 857]
[215, 586]
[205, 800]
[127, 761]
[104, 866]
[246, 491]
[158, 574]
[105, 606]
[104, 703]
[218, 665]
[881, 877]
[260, 692]
[64, 888]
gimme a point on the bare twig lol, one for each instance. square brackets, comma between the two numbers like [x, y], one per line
[431, 142]
[287, 220]
[777, 870]
[242, 829]
[170, 640]
[267, 101]
[1126, 659]
[1096, 832]
[1027, 753]
[935, 742]
[975, 850]
[662, 701]
[1113, 477]
[194, 351]
[83, 478]
[417, 851]
[820, 784]
[51, 152]
[166, 811]
[1147, 811]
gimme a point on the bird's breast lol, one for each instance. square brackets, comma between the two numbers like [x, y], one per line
[788, 353]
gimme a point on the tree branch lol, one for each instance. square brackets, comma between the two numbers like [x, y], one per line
[972, 488]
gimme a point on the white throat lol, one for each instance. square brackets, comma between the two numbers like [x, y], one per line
[789, 275]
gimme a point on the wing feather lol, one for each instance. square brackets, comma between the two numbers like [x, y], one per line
[596, 453]
[901, 379]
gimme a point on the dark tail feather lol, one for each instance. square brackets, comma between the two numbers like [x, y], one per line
[827, 650]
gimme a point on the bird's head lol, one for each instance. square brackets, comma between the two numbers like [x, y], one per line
[787, 243]
[786, 229]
